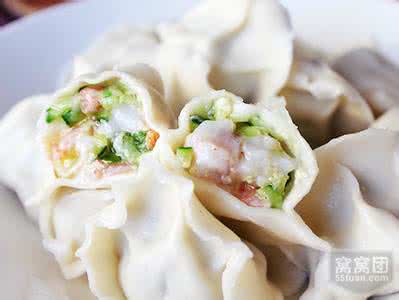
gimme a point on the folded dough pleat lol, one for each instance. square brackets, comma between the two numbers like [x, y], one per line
[157, 241]
[389, 120]
[373, 76]
[322, 103]
[27, 272]
[64, 213]
[24, 168]
[250, 52]
[248, 162]
[354, 206]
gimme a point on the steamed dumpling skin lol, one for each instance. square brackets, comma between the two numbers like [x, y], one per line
[25, 166]
[322, 103]
[389, 120]
[353, 205]
[373, 76]
[165, 245]
[27, 271]
[250, 52]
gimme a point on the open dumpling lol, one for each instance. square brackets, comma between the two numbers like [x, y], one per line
[373, 76]
[322, 103]
[99, 126]
[165, 245]
[248, 162]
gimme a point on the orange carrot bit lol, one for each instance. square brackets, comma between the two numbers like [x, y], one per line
[151, 139]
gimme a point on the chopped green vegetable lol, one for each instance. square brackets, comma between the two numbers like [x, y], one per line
[100, 142]
[268, 193]
[134, 145]
[109, 155]
[280, 185]
[52, 115]
[195, 121]
[251, 131]
[103, 115]
[107, 93]
[185, 155]
[72, 116]
[256, 121]
[115, 95]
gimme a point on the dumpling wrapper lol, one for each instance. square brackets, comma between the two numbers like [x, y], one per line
[250, 52]
[27, 271]
[389, 120]
[25, 167]
[373, 76]
[64, 213]
[322, 103]
[282, 225]
[165, 245]
[354, 206]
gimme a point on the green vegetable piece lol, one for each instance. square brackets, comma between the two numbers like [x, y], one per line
[72, 116]
[52, 115]
[256, 121]
[185, 155]
[134, 145]
[117, 94]
[275, 198]
[103, 115]
[281, 185]
[195, 121]
[109, 155]
[250, 131]
[107, 93]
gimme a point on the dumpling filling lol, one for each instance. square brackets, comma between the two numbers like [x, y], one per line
[99, 130]
[239, 155]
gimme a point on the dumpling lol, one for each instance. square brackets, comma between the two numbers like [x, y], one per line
[158, 242]
[248, 162]
[354, 206]
[100, 125]
[250, 52]
[373, 76]
[323, 104]
[24, 168]
[27, 271]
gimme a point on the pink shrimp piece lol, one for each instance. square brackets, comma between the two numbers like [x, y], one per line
[216, 150]
[247, 194]
[91, 97]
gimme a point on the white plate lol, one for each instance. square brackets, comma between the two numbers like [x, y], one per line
[35, 50]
